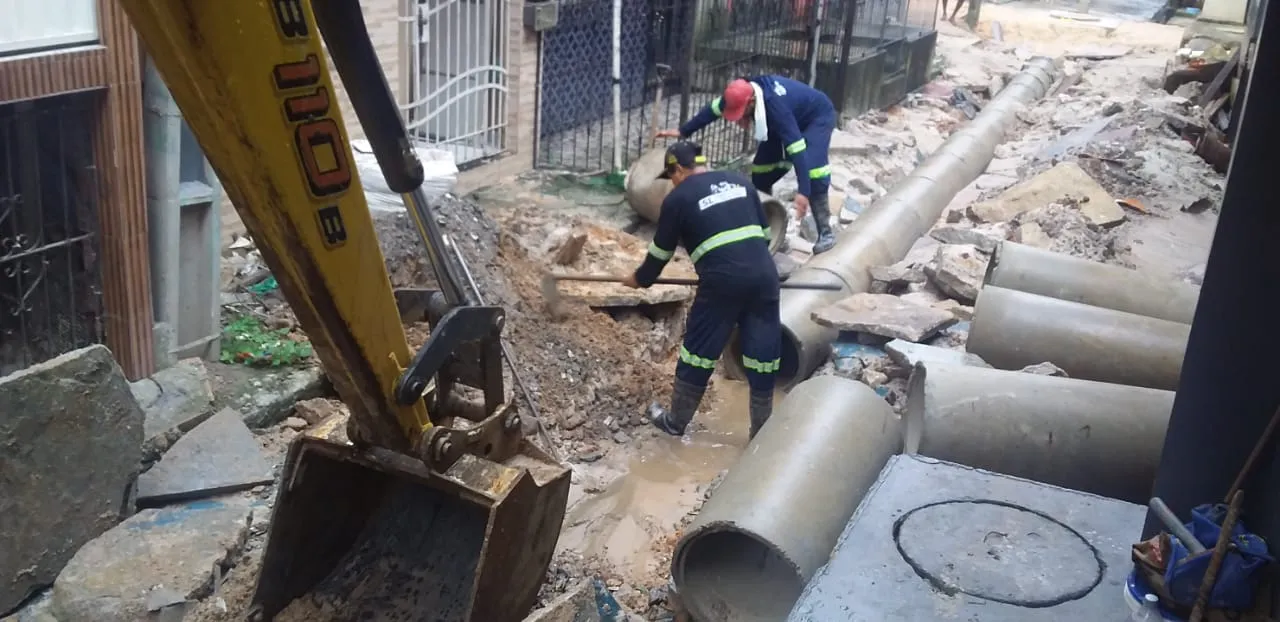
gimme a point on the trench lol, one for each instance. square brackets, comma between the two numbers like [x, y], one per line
[653, 489]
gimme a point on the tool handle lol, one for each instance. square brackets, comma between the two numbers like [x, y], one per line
[609, 278]
[1175, 526]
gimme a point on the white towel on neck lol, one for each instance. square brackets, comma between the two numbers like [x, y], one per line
[761, 125]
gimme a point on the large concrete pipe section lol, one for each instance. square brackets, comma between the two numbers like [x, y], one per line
[645, 193]
[1079, 434]
[884, 233]
[1038, 271]
[773, 521]
[1013, 329]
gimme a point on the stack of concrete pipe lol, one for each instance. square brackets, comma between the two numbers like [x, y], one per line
[645, 193]
[1096, 322]
[884, 233]
[1119, 335]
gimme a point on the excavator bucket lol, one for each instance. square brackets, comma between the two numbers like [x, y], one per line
[439, 516]
[374, 535]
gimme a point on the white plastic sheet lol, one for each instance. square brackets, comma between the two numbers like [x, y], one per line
[439, 168]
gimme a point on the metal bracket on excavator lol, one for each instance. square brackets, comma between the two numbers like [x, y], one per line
[439, 508]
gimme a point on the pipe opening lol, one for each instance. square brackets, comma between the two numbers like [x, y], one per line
[787, 372]
[730, 575]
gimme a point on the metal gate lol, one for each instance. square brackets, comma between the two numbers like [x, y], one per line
[50, 279]
[459, 78]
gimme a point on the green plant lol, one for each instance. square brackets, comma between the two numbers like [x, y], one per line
[246, 340]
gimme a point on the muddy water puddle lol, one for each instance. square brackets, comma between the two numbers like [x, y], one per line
[626, 510]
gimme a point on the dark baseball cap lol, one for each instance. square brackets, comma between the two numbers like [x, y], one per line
[685, 153]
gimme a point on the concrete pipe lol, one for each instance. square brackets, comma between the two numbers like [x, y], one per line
[775, 518]
[1091, 436]
[1013, 329]
[1038, 271]
[645, 193]
[884, 233]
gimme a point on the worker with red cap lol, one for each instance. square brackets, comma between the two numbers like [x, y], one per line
[792, 122]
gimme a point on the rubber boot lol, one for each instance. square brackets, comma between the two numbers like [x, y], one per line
[820, 205]
[761, 409]
[685, 398]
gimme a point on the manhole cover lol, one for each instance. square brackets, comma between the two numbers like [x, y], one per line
[999, 552]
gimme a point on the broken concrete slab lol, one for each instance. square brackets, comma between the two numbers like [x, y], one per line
[1032, 234]
[982, 240]
[1045, 369]
[175, 400]
[887, 279]
[883, 315]
[845, 143]
[219, 456]
[1065, 182]
[907, 354]
[177, 549]
[958, 271]
[963, 312]
[279, 393]
[69, 437]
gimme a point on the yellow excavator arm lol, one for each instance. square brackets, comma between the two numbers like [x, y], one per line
[459, 502]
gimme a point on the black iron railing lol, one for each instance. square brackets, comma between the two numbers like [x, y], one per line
[50, 283]
[863, 53]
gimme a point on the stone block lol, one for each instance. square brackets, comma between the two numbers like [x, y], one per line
[175, 400]
[220, 455]
[884, 315]
[958, 271]
[965, 235]
[170, 551]
[69, 451]
[907, 354]
[1065, 182]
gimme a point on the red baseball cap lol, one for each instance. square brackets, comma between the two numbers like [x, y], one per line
[736, 97]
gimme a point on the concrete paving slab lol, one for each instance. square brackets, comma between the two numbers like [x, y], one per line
[884, 315]
[175, 400]
[220, 455]
[70, 430]
[174, 550]
[935, 540]
[907, 354]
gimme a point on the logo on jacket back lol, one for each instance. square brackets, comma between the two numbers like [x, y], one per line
[779, 90]
[722, 192]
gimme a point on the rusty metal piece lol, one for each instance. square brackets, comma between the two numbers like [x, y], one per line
[1213, 150]
[1219, 552]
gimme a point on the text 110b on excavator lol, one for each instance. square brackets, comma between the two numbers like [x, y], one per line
[440, 508]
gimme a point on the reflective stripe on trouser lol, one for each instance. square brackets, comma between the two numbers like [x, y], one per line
[708, 329]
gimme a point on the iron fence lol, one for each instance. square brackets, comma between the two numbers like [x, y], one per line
[863, 53]
[50, 282]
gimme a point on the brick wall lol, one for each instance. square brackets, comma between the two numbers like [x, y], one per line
[382, 20]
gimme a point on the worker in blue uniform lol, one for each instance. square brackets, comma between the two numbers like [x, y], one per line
[792, 122]
[720, 221]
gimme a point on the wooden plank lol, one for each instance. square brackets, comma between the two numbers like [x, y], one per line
[1210, 91]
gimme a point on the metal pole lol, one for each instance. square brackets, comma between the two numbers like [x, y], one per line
[1014, 329]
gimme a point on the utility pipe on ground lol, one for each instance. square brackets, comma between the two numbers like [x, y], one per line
[1013, 329]
[645, 193]
[884, 233]
[1079, 434]
[775, 518]
[1038, 271]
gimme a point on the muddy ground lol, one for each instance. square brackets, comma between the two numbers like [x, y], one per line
[593, 372]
